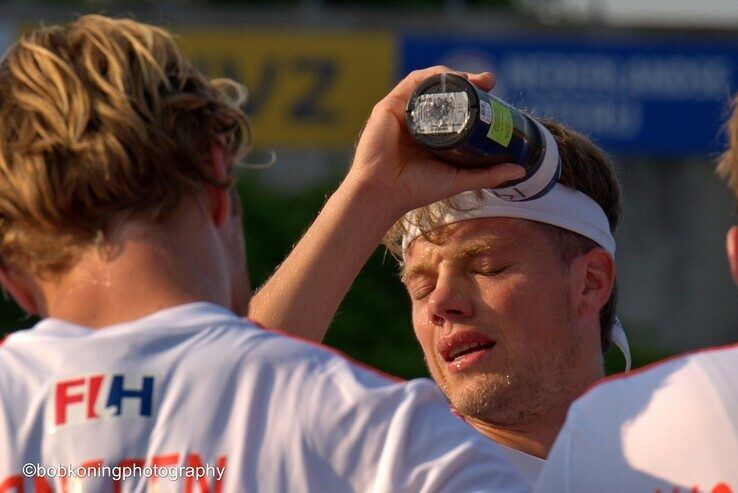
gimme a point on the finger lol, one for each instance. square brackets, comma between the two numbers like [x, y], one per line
[485, 80]
[474, 179]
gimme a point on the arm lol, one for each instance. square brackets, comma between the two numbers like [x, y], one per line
[303, 294]
[390, 176]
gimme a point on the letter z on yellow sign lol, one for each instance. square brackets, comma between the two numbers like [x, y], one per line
[306, 88]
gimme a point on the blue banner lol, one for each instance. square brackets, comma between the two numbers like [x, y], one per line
[639, 95]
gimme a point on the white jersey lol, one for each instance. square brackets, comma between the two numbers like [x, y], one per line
[220, 405]
[672, 428]
[529, 466]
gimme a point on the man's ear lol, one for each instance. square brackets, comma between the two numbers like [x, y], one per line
[221, 202]
[596, 271]
[19, 287]
[731, 245]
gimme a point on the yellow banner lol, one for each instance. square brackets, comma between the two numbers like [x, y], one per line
[306, 88]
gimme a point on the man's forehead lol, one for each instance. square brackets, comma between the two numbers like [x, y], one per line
[472, 236]
[491, 230]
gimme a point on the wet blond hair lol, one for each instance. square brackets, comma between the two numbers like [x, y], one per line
[102, 119]
[727, 166]
[584, 167]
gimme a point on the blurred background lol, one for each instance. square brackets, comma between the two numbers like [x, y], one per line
[648, 81]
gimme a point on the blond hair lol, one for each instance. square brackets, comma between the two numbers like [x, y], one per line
[727, 166]
[102, 118]
[584, 167]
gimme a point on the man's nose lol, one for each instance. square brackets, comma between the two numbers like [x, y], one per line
[448, 301]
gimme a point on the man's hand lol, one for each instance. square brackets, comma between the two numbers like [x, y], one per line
[402, 174]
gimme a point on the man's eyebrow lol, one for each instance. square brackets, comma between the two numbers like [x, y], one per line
[477, 247]
[414, 271]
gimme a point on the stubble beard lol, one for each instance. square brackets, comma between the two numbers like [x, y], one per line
[528, 392]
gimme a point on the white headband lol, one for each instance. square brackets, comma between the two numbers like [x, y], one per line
[618, 337]
[563, 207]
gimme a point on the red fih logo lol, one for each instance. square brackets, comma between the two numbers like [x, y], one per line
[91, 397]
[718, 488]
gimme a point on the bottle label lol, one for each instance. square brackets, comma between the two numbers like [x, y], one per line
[501, 129]
[485, 111]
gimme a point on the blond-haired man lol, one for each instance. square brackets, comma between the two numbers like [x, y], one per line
[512, 303]
[672, 427]
[119, 226]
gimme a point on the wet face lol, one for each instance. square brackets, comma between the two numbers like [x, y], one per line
[492, 309]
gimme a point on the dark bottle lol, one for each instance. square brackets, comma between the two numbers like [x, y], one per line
[470, 128]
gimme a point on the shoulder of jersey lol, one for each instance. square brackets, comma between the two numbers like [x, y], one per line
[329, 351]
[660, 369]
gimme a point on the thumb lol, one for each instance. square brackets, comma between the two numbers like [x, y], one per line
[474, 179]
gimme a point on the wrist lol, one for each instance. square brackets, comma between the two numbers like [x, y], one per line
[376, 202]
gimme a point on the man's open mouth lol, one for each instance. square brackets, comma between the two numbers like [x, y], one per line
[457, 345]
